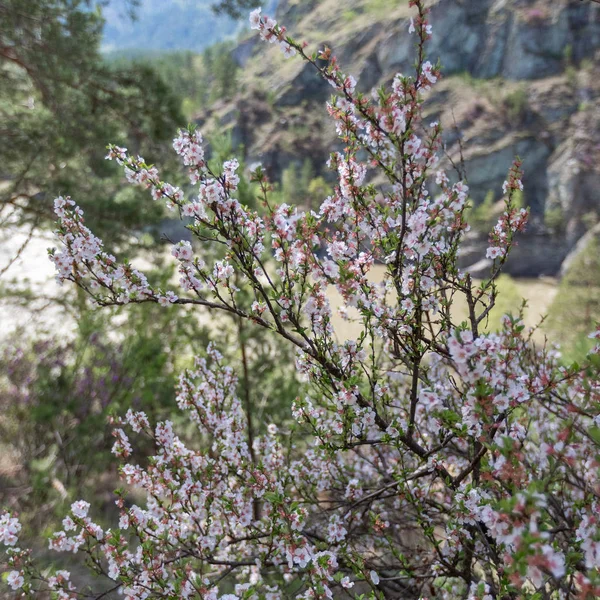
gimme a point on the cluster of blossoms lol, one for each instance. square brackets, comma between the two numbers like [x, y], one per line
[84, 259]
[271, 32]
[9, 537]
[512, 220]
[439, 460]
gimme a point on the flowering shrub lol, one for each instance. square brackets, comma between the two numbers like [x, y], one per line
[438, 461]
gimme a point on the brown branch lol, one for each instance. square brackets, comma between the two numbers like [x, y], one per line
[20, 250]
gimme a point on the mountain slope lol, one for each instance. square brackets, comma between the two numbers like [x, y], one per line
[521, 77]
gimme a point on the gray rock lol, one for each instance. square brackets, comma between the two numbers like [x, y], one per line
[243, 52]
[536, 43]
[305, 84]
[533, 255]
[487, 170]
[580, 248]
[574, 175]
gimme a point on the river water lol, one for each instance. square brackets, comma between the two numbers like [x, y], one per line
[33, 270]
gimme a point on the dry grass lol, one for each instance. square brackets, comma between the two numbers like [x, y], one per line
[539, 294]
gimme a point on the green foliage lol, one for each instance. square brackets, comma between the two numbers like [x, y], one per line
[477, 83]
[183, 70]
[60, 104]
[589, 219]
[508, 301]
[379, 7]
[56, 397]
[235, 8]
[291, 187]
[299, 185]
[516, 103]
[483, 216]
[307, 173]
[576, 307]
[571, 75]
[318, 190]
[267, 378]
[221, 71]
[196, 80]
[265, 364]
[554, 219]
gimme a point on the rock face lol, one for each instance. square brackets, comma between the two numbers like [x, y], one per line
[590, 239]
[535, 254]
[521, 77]
[574, 175]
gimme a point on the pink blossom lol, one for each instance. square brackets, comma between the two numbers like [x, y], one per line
[15, 580]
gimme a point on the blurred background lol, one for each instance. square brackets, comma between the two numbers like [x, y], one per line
[521, 77]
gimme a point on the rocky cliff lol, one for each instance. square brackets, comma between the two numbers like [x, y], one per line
[521, 77]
